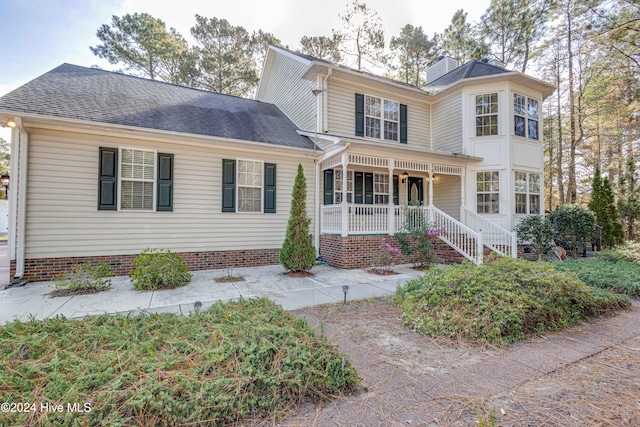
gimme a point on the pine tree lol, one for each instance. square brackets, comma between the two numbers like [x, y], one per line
[297, 253]
[616, 233]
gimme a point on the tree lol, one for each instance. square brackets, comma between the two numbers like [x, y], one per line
[602, 204]
[327, 48]
[629, 201]
[413, 52]
[297, 253]
[512, 27]
[362, 35]
[460, 41]
[260, 42]
[143, 45]
[225, 61]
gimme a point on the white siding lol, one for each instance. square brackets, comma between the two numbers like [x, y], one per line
[290, 92]
[342, 112]
[447, 124]
[63, 220]
[446, 194]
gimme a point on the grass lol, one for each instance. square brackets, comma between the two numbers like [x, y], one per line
[501, 301]
[238, 360]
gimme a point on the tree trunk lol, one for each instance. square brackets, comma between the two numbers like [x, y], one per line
[571, 190]
[560, 175]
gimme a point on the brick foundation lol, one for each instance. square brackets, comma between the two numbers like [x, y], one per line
[44, 269]
[355, 251]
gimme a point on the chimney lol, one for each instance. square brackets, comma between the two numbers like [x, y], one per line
[441, 67]
[497, 63]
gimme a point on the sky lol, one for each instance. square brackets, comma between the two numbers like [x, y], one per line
[39, 35]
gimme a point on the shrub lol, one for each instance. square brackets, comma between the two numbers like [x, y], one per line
[298, 253]
[613, 274]
[538, 232]
[384, 257]
[159, 269]
[86, 278]
[630, 251]
[574, 226]
[500, 302]
[233, 361]
[416, 238]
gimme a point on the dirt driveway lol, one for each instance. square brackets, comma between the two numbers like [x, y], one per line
[588, 375]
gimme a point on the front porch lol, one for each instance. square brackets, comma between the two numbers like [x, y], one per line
[367, 195]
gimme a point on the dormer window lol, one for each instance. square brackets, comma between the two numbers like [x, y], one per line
[381, 118]
[525, 116]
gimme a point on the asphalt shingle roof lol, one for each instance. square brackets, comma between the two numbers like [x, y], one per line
[88, 94]
[468, 70]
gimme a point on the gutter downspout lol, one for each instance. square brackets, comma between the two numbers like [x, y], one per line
[316, 224]
[325, 113]
[21, 203]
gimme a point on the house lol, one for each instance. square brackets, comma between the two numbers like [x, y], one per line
[467, 152]
[105, 164]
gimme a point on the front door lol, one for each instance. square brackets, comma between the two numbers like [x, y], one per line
[415, 192]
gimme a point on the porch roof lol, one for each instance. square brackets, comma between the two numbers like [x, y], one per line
[402, 155]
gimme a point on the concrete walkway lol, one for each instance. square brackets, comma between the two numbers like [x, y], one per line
[33, 299]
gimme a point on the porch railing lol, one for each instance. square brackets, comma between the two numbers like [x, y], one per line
[361, 219]
[495, 237]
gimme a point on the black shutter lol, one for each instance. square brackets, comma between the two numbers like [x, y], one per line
[403, 124]
[164, 198]
[358, 188]
[269, 188]
[228, 185]
[368, 188]
[108, 179]
[396, 190]
[359, 114]
[328, 187]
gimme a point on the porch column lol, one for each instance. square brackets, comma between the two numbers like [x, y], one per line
[431, 185]
[392, 214]
[463, 203]
[345, 207]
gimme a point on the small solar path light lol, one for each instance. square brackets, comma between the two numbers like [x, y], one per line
[197, 306]
[345, 289]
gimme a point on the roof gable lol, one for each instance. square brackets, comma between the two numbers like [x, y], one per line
[88, 94]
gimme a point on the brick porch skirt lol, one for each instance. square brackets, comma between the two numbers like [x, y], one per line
[44, 269]
[355, 251]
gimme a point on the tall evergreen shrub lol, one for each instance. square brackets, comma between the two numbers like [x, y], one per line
[297, 253]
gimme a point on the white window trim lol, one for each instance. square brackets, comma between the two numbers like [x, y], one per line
[381, 117]
[488, 192]
[525, 116]
[528, 193]
[155, 178]
[376, 176]
[249, 186]
[337, 186]
[476, 115]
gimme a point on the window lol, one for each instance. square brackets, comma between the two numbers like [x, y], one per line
[338, 186]
[137, 179]
[525, 118]
[487, 114]
[381, 188]
[381, 118]
[144, 179]
[527, 187]
[488, 192]
[381, 114]
[248, 186]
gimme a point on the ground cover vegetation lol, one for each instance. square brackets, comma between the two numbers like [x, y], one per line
[83, 279]
[233, 361]
[617, 269]
[501, 301]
